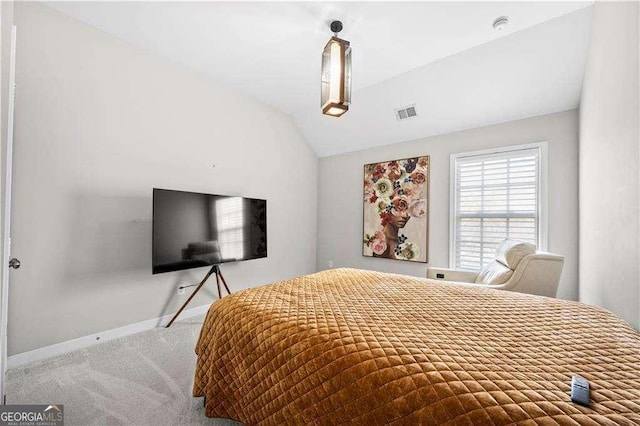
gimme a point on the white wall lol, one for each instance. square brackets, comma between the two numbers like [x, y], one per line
[340, 193]
[99, 124]
[609, 163]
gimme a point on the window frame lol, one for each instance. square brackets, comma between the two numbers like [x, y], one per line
[543, 190]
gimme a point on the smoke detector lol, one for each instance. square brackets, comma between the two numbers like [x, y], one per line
[407, 112]
[500, 23]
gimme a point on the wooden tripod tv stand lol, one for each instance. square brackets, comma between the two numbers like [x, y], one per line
[215, 269]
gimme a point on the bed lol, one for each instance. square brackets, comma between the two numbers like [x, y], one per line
[354, 346]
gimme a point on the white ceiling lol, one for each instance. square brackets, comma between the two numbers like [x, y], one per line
[442, 56]
[533, 72]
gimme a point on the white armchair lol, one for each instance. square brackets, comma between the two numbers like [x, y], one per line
[518, 266]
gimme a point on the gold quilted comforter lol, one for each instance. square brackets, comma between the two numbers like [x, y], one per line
[352, 346]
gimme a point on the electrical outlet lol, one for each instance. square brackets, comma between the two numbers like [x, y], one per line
[331, 264]
[180, 290]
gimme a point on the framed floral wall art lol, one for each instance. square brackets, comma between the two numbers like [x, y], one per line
[396, 209]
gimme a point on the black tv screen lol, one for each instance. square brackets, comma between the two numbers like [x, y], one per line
[191, 230]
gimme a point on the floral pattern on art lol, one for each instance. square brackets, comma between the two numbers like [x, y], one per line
[396, 209]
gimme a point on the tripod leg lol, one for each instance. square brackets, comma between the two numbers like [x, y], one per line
[218, 282]
[206, 277]
[223, 281]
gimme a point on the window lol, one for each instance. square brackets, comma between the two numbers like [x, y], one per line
[230, 218]
[496, 194]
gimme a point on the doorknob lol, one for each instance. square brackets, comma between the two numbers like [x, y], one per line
[14, 263]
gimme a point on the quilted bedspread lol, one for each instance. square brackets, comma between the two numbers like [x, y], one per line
[353, 346]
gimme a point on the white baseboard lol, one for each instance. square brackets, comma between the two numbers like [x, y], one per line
[17, 360]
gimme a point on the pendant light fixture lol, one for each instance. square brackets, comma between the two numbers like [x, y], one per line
[336, 74]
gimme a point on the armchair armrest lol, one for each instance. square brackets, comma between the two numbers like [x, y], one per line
[451, 275]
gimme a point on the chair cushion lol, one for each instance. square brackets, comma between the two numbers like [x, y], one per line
[494, 273]
[511, 252]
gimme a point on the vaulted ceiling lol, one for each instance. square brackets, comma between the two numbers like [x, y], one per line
[444, 57]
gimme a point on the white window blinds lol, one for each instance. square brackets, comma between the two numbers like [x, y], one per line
[496, 196]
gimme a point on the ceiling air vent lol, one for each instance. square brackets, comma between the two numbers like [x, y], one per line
[407, 112]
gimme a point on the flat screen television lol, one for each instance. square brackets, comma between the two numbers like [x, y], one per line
[192, 230]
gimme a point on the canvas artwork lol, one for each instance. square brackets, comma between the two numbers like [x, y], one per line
[396, 209]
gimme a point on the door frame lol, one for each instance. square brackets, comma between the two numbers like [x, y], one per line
[6, 225]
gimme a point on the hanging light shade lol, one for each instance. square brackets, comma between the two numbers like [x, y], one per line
[336, 74]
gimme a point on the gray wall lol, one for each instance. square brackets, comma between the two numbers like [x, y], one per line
[340, 193]
[99, 123]
[609, 157]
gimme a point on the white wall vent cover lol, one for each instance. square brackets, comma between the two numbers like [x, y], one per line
[407, 112]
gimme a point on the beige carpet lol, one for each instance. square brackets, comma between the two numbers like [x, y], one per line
[143, 379]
